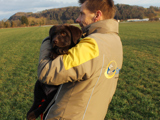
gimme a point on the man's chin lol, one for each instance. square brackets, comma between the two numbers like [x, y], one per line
[81, 26]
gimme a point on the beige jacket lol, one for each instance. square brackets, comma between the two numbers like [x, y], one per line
[88, 74]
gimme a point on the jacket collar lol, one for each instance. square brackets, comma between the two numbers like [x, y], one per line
[103, 26]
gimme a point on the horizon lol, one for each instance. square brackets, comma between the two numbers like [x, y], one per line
[38, 6]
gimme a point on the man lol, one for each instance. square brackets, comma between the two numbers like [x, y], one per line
[88, 74]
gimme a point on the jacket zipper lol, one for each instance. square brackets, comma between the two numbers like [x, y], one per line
[54, 99]
[93, 89]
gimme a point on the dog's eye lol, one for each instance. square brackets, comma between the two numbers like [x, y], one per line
[63, 34]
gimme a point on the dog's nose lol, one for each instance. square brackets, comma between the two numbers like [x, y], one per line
[55, 41]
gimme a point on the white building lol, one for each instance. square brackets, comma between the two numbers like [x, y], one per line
[138, 20]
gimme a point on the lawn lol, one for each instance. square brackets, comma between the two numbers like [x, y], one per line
[138, 91]
[137, 95]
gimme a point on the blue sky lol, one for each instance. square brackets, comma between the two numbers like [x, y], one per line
[10, 7]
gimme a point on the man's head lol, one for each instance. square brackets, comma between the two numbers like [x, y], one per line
[95, 10]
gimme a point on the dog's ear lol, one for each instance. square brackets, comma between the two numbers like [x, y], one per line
[51, 31]
[76, 33]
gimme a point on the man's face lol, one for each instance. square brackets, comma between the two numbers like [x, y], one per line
[86, 17]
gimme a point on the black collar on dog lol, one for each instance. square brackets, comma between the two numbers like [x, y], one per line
[47, 38]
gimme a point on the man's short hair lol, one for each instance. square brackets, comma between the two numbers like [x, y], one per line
[106, 6]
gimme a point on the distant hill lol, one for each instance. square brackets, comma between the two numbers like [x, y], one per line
[71, 13]
[57, 14]
[18, 15]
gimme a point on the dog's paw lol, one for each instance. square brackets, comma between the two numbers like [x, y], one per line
[31, 116]
[53, 55]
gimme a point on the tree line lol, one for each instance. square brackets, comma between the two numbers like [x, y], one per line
[70, 14]
[125, 12]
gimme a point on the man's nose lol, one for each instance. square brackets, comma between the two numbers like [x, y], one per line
[78, 20]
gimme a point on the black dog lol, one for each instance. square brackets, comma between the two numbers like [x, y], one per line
[62, 38]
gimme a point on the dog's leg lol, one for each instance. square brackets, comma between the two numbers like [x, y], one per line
[45, 104]
[38, 96]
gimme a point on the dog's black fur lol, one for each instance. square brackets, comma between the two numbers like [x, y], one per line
[62, 38]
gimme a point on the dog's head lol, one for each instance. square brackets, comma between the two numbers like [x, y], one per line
[64, 36]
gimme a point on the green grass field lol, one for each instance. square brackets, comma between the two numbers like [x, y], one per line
[138, 92]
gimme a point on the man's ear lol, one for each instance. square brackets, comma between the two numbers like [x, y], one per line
[76, 33]
[98, 16]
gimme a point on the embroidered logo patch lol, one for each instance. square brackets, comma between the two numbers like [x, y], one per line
[111, 70]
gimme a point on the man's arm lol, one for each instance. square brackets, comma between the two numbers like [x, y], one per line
[69, 67]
